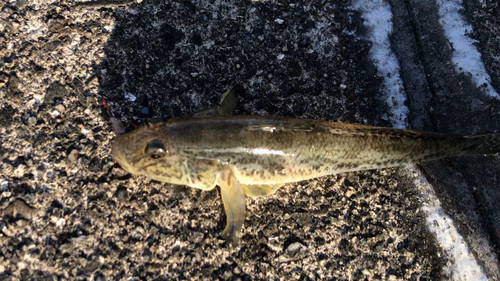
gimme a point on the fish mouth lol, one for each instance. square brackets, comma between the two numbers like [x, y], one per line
[118, 155]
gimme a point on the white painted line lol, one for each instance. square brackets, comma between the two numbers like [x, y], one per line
[463, 265]
[465, 57]
[377, 17]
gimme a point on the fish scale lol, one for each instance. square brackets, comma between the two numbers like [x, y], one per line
[256, 155]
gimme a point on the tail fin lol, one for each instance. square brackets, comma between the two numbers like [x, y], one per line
[483, 144]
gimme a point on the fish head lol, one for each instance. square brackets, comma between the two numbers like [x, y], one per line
[146, 151]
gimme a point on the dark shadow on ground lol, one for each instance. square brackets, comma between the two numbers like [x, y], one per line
[171, 59]
[180, 56]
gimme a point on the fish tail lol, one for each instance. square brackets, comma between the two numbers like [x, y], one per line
[482, 144]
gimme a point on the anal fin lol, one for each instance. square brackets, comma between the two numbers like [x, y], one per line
[257, 190]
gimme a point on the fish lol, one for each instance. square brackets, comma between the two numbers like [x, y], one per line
[254, 156]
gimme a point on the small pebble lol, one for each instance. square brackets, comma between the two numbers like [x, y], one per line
[60, 108]
[146, 112]
[131, 97]
[121, 193]
[296, 248]
[73, 156]
[61, 223]
[117, 125]
[198, 236]
[349, 191]
[19, 207]
[8, 231]
[4, 185]
[273, 240]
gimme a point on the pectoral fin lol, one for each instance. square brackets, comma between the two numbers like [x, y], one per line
[233, 199]
[256, 190]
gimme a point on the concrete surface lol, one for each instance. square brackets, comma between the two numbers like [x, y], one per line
[70, 213]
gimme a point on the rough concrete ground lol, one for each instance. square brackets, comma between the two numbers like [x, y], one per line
[446, 101]
[71, 213]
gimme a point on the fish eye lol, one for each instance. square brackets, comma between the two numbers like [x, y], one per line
[156, 149]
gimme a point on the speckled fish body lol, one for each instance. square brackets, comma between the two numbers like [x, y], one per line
[255, 155]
